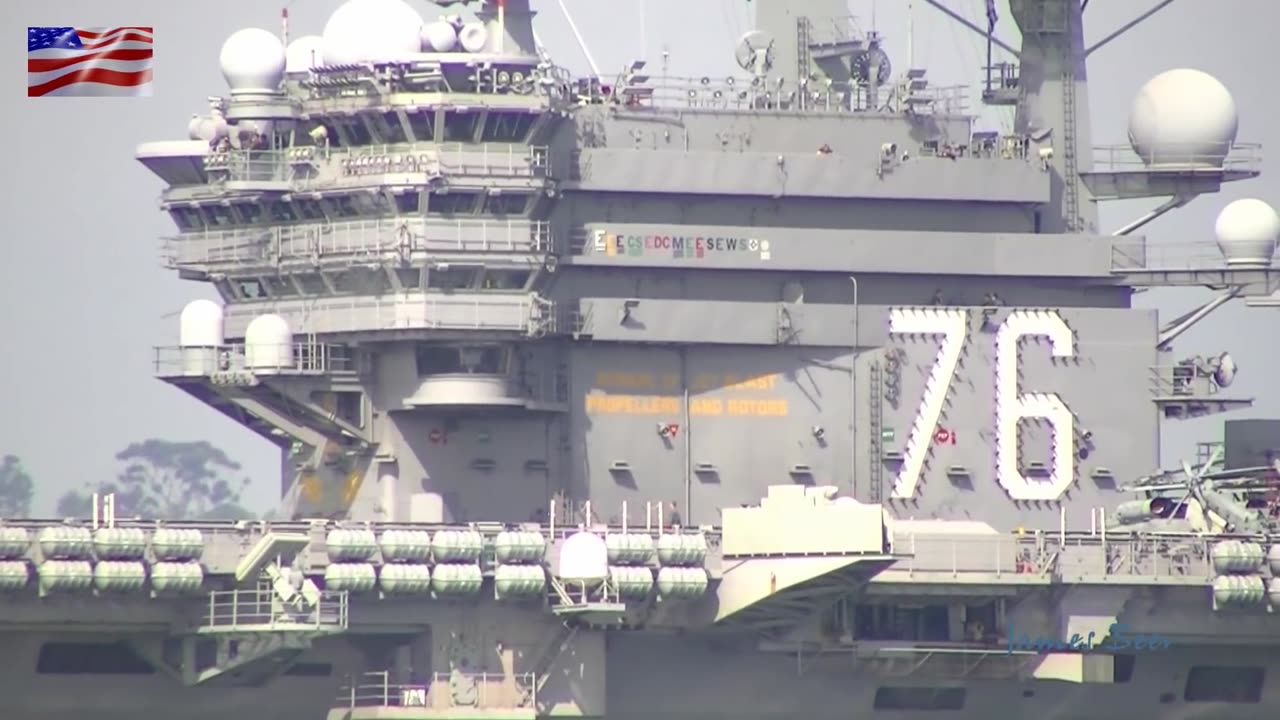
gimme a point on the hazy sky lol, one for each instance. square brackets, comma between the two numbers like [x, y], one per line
[85, 298]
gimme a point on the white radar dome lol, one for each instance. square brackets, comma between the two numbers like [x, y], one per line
[268, 343]
[372, 31]
[1247, 231]
[1183, 117]
[473, 37]
[252, 61]
[200, 324]
[303, 54]
[584, 558]
[440, 36]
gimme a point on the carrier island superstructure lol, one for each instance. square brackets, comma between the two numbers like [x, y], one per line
[782, 395]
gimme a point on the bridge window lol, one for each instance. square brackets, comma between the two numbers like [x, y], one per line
[250, 289]
[407, 203]
[248, 212]
[919, 698]
[1226, 684]
[282, 211]
[423, 127]
[394, 130]
[460, 126]
[218, 216]
[375, 204]
[65, 658]
[343, 206]
[360, 281]
[309, 209]
[505, 280]
[455, 278]
[186, 218]
[448, 359]
[358, 133]
[452, 203]
[506, 204]
[279, 287]
[512, 127]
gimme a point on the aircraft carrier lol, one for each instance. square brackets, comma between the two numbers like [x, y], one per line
[783, 395]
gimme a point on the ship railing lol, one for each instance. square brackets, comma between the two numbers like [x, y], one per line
[371, 238]
[450, 158]
[443, 159]
[1181, 380]
[515, 311]
[298, 358]
[1138, 255]
[262, 610]
[745, 93]
[442, 691]
[1050, 555]
[1179, 159]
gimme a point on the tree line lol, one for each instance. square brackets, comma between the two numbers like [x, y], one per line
[158, 479]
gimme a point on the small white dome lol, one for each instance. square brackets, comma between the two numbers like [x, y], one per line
[252, 61]
[1247, 232]
[584, 558]
[268, 343]
[200, 324]
[473, 37]
[1183, 117]
[303, 54]
[439, 36]
[372, 31]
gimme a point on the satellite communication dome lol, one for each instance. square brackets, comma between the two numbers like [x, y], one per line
[200, 324]
[252, 61]
[303, 54]
[268, 343]
[1183, 118]
[1225, 372]
[584, 558]
[440, 36]
[473, 37]
[1247, 231]
[371, 31]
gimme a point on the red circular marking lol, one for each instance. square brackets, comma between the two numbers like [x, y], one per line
[943, 435]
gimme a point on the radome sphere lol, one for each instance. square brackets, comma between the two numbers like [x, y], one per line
[372, 31]
[268, 343]
[303, 54]
[252, 61]
[200, 324]
[473, 37]
[1183, 117]
[584, 558]
[439, 37]
[1247, 232]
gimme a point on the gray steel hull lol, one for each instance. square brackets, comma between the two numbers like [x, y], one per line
[651, 676]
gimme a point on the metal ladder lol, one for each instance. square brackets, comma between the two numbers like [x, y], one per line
[1070, 175]
[804, 56]
[877, 444]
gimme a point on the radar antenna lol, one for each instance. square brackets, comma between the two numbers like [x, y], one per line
[875, 56]
[754, 52]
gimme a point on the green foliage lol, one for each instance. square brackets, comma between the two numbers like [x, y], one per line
[16, 489]
[168, 480]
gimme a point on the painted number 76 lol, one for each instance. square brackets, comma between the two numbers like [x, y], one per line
[951, 327]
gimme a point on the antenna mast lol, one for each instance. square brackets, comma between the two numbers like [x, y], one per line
[911, 36]
[582, 44]
[284, 26]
